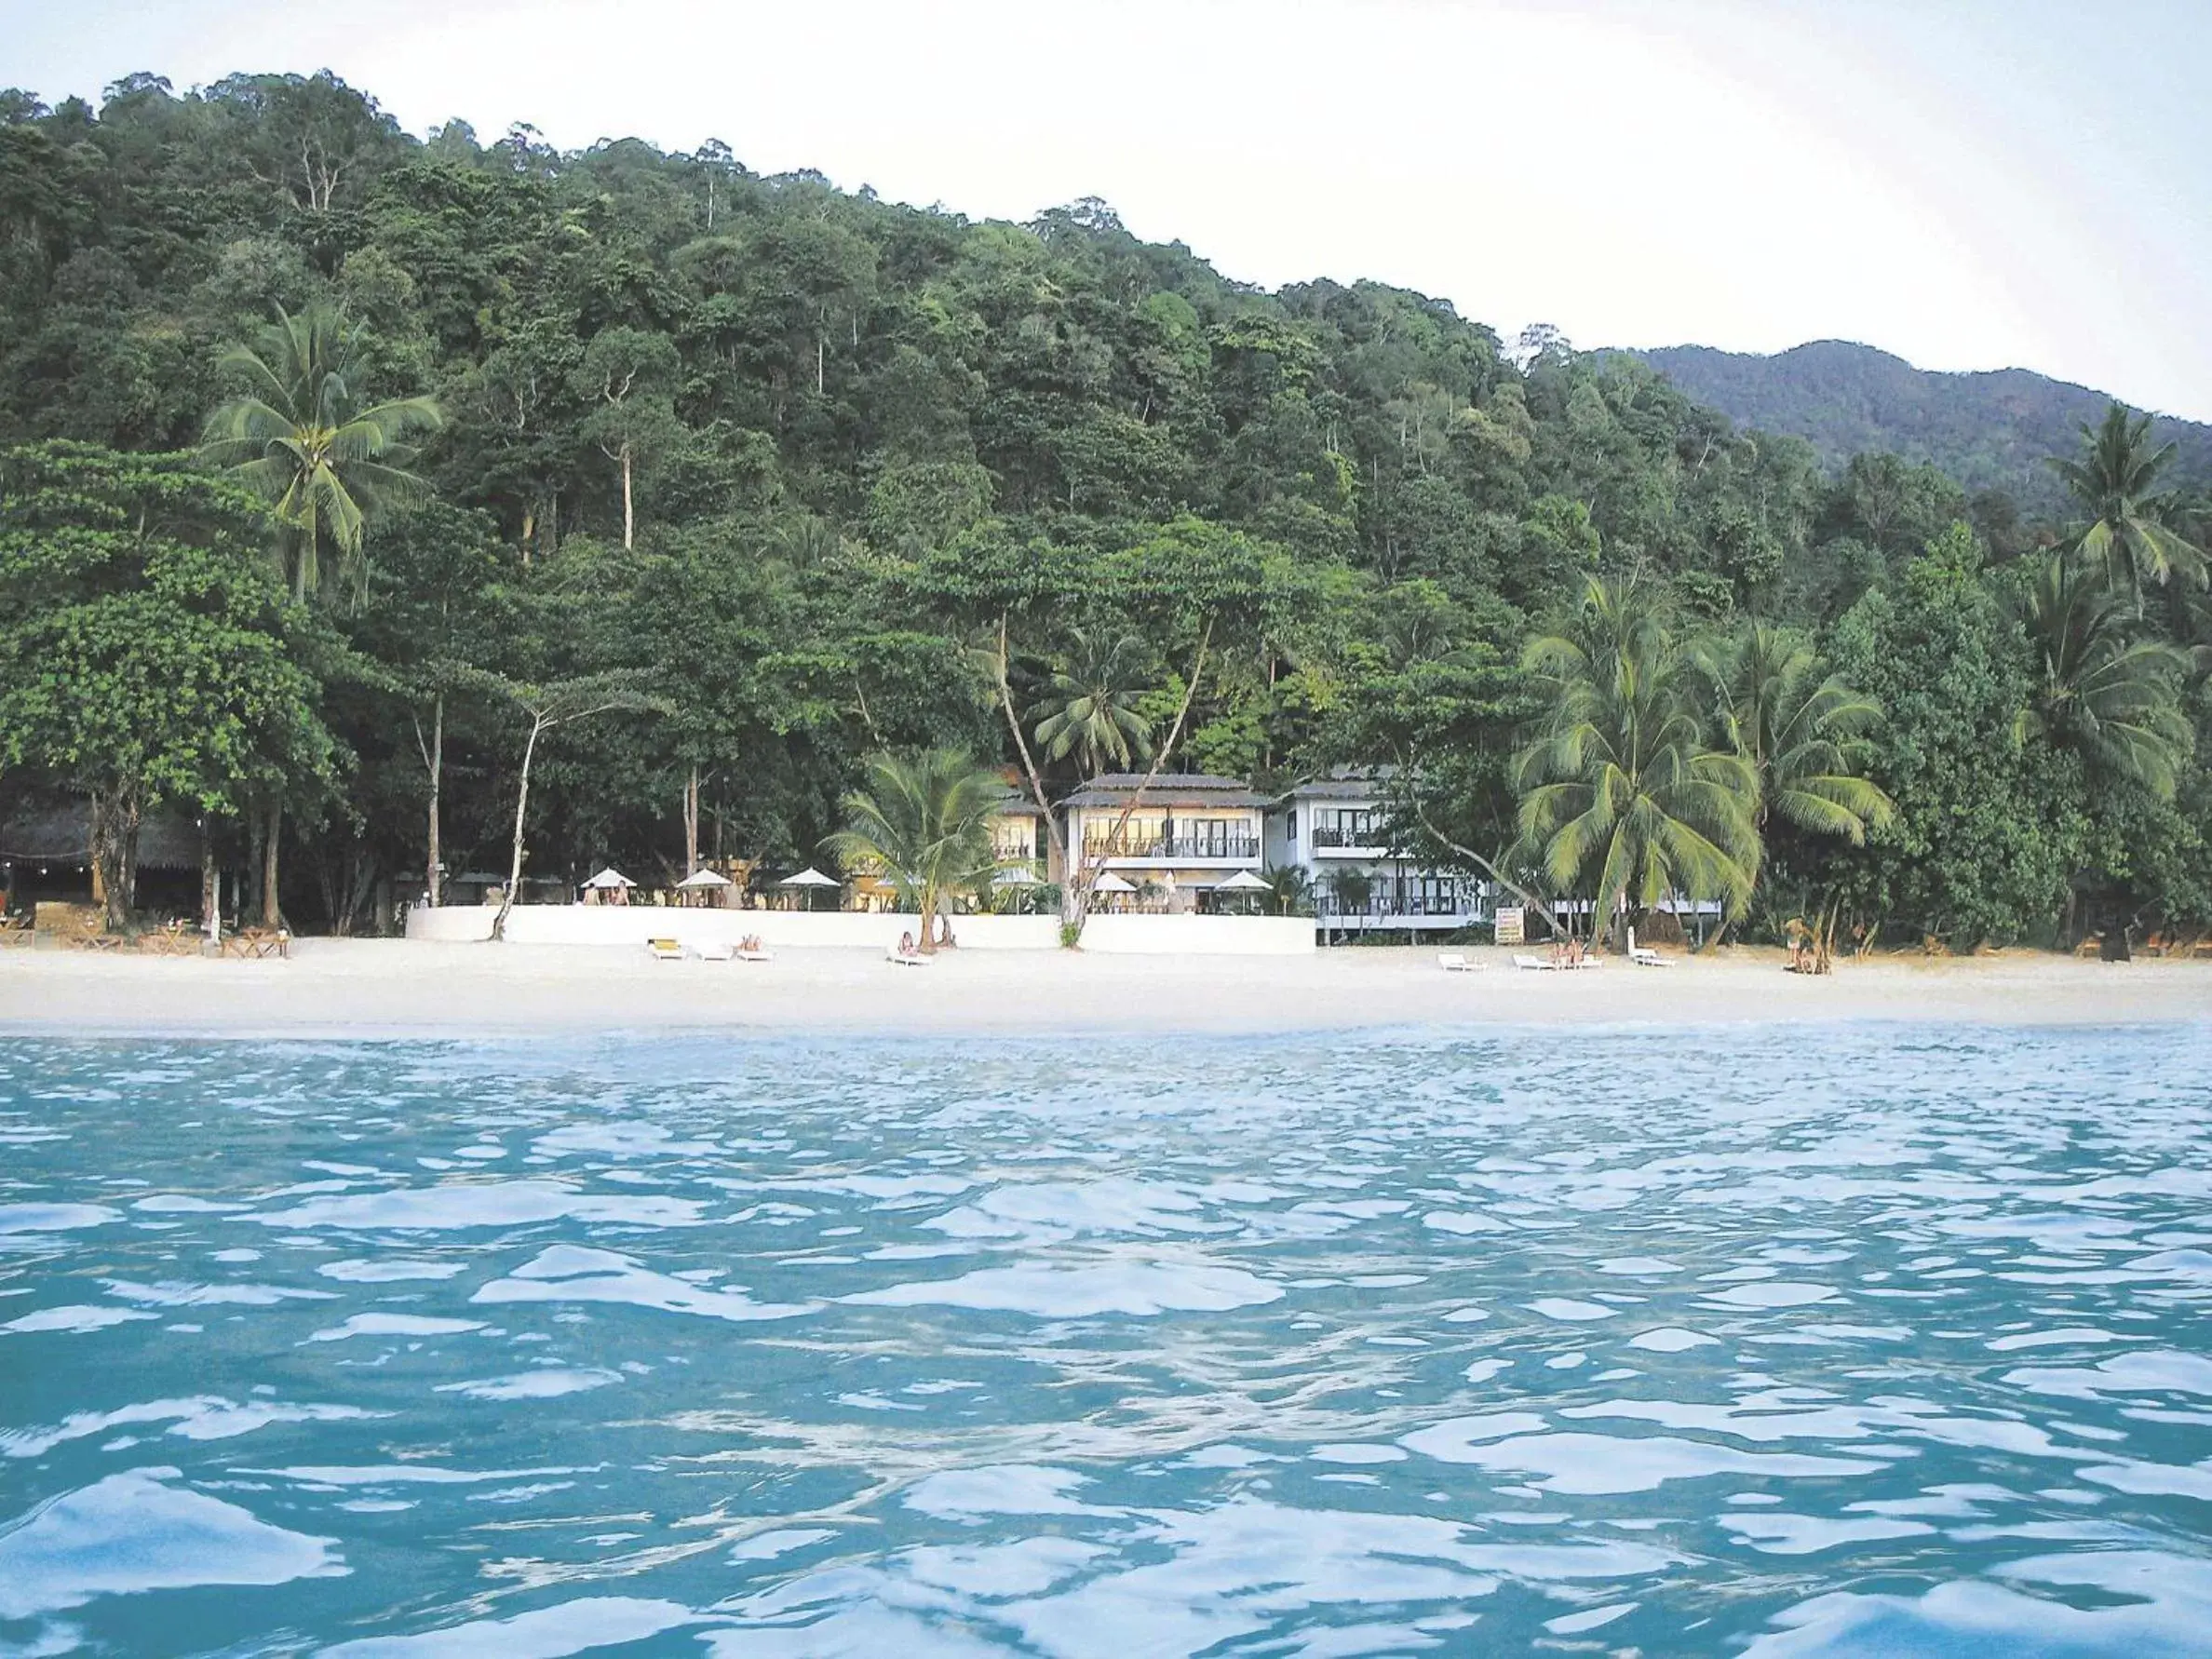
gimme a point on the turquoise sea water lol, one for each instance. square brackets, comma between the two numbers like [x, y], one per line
[1791, 1341]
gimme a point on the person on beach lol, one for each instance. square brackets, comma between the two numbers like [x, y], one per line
[906, 944]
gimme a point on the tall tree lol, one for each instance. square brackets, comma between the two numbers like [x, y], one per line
[146, 660]
[2113, 697]
[1622, 791]
[545, 706]
[1091, 710]
[922, 821]
[302, 440]
[1801, 729]
[2114, 483]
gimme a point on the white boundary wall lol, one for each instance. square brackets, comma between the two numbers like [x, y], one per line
[633, 925]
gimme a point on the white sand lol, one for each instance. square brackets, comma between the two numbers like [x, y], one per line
[333, 986]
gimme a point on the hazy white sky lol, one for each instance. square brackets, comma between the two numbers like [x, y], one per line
[1972, 184]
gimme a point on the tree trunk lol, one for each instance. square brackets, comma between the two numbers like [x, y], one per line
[691, 825]
[113, 842]
[629, 520]
[210, 886]
[271, 911]
[929, 904]
[1620, 925]
[820, 348]
[433, 868]
[507, 900]
[1076, 895]
[529, 529]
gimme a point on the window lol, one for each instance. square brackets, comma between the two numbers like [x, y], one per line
[1345, 826]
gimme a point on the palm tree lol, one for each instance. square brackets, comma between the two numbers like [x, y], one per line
[299, 440]
[1802, 730]
[1621, 781]
[923, 823]
[1290, 889]
[1091, 709]
[2114, 483]
[2113, 699]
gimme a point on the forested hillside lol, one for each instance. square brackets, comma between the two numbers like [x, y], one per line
[1990, 431]
[345, 468]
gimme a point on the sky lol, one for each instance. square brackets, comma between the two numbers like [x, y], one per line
[1975, 185]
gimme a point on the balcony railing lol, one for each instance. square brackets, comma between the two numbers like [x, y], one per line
[1384, 905]
[1371, 836]
[1171, 846]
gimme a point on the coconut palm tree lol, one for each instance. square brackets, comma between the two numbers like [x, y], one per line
[2115, 483]
[1091, 710]
[923, 823]
[1621, 785]
[2112, 697]
[300, 440]
[1802, 730]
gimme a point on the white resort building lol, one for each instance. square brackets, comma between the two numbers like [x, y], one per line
[1190, 832]
[1333, 829]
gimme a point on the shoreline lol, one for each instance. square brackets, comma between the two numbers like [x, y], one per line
[391, 988]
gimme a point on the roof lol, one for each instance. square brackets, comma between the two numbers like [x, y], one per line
[1014, 804]
[1171, 789]
[63, 834]
[1343, 783]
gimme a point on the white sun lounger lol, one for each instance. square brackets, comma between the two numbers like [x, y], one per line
[912, 959]
[1535, 964]
[754, 956]
[1452, 962]
[714, 950]
[1645, 956]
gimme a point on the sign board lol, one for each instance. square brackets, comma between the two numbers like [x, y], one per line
[1510, 930]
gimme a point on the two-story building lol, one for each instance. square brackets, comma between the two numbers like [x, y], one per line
[1188, 832]
[1335, 829]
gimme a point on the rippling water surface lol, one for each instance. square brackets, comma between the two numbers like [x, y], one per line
[1794, 1342]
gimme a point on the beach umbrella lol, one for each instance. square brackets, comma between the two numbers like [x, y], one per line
[610, 878]
[1244, 881]
[1015, 878]
[809, 878]
[703, 881]
[1110, 883]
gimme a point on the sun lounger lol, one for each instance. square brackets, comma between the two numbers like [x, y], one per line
[1452, 962]
[715, 951]
[906, 958]
[754, 956]
[664, 950]
[1535, 964]
[1645, 956]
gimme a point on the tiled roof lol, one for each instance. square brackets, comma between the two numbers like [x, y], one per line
[1343, 783]
[1171, 789]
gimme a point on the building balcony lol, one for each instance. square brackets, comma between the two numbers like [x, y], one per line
[1174, 849]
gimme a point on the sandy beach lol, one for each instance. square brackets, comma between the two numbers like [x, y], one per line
[342, 987]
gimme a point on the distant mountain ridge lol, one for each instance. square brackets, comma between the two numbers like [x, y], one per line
[1990, 430]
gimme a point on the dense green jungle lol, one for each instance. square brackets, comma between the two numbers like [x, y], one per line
[345, 473]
